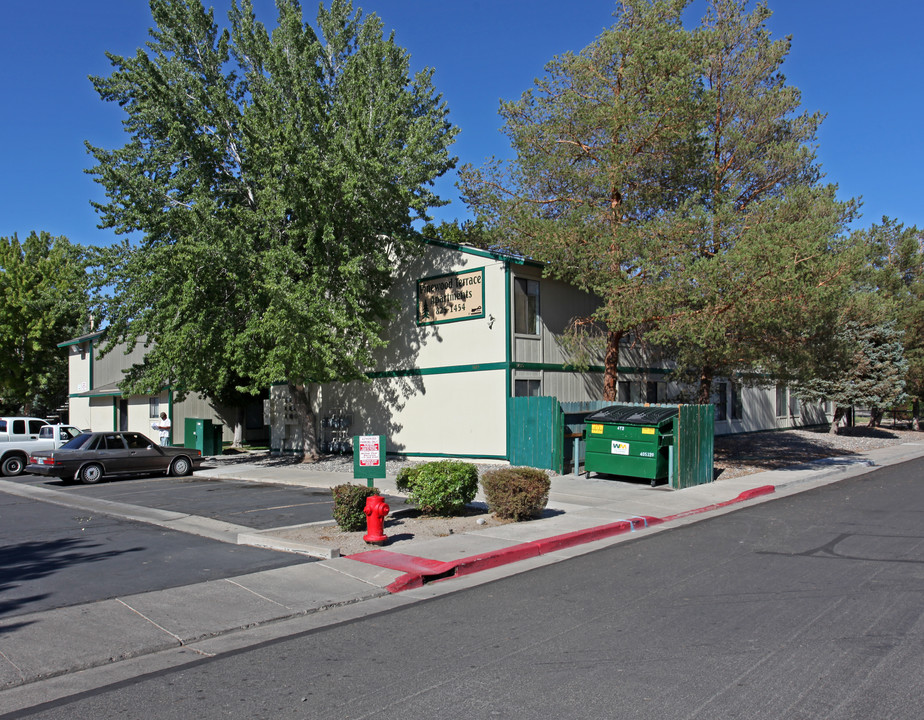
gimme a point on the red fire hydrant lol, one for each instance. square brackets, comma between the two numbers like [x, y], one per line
[376, 509]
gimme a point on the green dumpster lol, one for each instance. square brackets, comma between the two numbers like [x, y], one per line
[632, 440]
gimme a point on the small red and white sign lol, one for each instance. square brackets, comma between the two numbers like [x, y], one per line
[369, 455]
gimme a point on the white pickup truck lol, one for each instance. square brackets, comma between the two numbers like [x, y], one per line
[20, 436]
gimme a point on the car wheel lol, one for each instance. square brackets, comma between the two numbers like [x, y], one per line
[13, 465]
[90, 474]
[180, 466]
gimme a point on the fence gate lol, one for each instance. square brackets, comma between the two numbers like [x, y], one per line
[535, 432]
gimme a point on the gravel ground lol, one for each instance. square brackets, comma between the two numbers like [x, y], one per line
[735, 456]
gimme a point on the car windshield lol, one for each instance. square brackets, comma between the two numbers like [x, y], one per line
[77, 442]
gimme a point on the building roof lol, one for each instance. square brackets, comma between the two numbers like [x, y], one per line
[107, 390]
[82, 339]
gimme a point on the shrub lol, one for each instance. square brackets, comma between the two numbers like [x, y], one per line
[406, 478]
[516, 493]
[444, 487]
[349, 505]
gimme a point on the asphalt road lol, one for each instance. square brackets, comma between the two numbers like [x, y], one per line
[809, 606]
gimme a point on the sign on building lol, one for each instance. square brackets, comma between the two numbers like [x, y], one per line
[451, 297]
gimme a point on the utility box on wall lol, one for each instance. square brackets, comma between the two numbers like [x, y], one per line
[202, 435]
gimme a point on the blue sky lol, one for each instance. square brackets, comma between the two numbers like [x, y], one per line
[857, 61]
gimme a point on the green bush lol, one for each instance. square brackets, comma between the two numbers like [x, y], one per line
[349, 505]
[516, 493]
[443, 488]
[406, 478]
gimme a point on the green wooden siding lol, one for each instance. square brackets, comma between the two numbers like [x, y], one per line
[536, 432]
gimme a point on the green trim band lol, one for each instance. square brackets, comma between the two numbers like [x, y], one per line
[79, 341]
[553, 367]
[447, 370]
[487, 367]
[451, 455]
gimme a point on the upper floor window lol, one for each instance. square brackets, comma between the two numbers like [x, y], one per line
[525, 306]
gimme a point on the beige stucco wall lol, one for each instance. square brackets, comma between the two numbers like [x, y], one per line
[438, 397]
[446, 414]
[78, 368]
[462, 342]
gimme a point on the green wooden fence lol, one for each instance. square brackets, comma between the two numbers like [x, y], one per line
[536, 432]
[694, 446]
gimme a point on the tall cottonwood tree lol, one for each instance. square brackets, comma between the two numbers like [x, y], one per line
[670, 172]
[273, 178]
[44, 291]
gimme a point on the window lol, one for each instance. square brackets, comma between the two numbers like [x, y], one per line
[623, 391]
[526, 388]
[154, 407]
[525, 306]
[721, 401]
[111, 442]
[737, 409]
[780, 401]
[793, 404]
[652, 394]
[137, 442]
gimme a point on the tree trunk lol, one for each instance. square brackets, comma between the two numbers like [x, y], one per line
[705, 386]
[875, 417]
[838, 414]
[611, 367]
[302, 402]
[238, 442]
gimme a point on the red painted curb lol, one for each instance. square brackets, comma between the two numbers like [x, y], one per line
[746, 495]
[419, 571]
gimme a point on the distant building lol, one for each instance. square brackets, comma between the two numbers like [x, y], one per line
[95, 401]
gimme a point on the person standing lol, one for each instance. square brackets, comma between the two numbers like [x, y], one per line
[164, 427]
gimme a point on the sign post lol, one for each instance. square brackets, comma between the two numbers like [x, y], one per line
[368, 457]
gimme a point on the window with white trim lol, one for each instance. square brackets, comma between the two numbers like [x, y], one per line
[525, 306]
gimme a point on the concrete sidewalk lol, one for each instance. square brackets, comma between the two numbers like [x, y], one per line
[179, 625]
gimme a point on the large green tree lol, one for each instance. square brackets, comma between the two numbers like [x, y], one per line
[44, 287]
[273, 179]
[603, 169]
[671, 172]
[895, 273]
[871, 372]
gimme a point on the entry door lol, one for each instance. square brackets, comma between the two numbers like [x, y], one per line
[123, 414]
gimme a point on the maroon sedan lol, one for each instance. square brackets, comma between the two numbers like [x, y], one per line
[90, 457]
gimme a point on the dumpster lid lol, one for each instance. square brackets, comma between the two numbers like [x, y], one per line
[633, 415]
